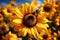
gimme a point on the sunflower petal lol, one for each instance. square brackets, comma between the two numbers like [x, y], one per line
[33, 33]
[19, 21]
[24, 31]
[18, 13]
[5, 12]
[39, 28]
[29, 32]
[42, 25]
[26, 8]
[37, 33]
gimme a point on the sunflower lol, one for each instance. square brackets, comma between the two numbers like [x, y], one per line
[9, 12]
[48, 7]
[45, 35]
[57, 2]
[30, 20]
[10, 36]
[56, 16]
[3, 28]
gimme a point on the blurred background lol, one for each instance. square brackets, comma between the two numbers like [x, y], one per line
[5, 2]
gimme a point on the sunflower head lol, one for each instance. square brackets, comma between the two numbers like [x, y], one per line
[3, 28]
[29, 21]
[46, 34]
[9, 12]
[10, 36]
[47, 6]
[58, 2]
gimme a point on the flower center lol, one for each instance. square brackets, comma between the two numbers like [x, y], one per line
[29, 20]
[3, 28]
[47, 8]
[45, 36]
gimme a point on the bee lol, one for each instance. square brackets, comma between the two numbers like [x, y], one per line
[36, 12]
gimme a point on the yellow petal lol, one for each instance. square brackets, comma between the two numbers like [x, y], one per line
[26, 7]
[35, 30]
[18, 13]
[24, 31]
[37, 33]
[32, 30]
[19, 21]
[46, 20]
[30, 9]
[29, 32]
[22, 8]
[5, 12]
[42, 25]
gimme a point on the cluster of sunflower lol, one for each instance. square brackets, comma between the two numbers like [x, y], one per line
[30, 20]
